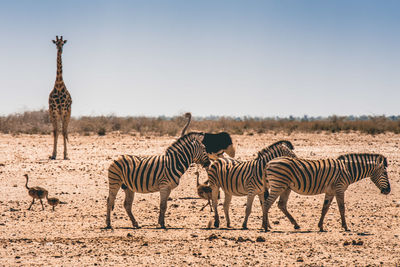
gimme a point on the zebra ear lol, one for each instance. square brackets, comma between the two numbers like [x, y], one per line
[212, 156]
[198, 137]
[382, 161]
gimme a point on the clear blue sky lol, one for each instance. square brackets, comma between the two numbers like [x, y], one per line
[257, 58]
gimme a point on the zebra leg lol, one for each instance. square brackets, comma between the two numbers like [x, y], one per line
[129, 195]
[340, 202]
[30, 206]
[164, 194]
[262, 199]
[41, 202]
[282, 204]
[227, 202]
[327, 202]
[215, 191]
[249, 205]
[273, 195]
[112, 194]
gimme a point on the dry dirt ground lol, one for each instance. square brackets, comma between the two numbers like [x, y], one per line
[72, 234]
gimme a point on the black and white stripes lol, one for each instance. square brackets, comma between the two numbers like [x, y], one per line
[154, 173]
[329, 176]
[243, 178]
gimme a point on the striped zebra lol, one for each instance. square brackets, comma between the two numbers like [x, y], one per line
[329, 176]
[247, 178]
[154, 173]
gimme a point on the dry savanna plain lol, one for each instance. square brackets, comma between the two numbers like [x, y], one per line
[73, 234]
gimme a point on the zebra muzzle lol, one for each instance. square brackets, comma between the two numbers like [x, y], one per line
[385, 191]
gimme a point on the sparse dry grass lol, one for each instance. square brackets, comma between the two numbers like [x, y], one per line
[37, 122]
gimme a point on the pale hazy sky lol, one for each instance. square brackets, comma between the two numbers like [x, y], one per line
[257, 58]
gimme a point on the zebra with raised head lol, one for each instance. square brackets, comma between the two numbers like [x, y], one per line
[154, 174]
[243, 178]
[329, 176]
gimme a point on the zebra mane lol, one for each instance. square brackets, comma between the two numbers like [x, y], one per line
[355, 155]
[187, 137]
[282, 144]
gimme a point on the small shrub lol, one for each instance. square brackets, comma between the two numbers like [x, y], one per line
[101, 131]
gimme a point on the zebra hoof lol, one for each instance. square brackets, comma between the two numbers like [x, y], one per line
[297, 227]
[216, 224]
[52, 157]
[108, 227]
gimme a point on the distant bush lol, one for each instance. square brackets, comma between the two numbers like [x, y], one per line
[101, 131]
[37, 122]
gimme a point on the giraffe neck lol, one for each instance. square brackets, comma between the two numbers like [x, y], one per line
[59, 77]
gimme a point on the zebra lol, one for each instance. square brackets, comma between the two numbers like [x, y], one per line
[154, 173]
[329, 176]
[243, 178]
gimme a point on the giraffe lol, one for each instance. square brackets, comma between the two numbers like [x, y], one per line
[59, 102]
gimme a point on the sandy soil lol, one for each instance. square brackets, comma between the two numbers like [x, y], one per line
[73, 235]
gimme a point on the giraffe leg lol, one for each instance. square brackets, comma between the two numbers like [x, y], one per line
[54, 121]
[327, 202]
[282, 203]
[65, 123]
[249, 205]
[227, 202]
[164, 194]
[129, 195]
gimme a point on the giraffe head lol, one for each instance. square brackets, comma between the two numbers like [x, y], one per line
[59, 42]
